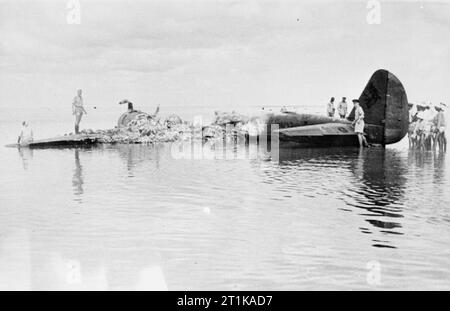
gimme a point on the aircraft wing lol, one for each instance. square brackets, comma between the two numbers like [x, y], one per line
[326, 129]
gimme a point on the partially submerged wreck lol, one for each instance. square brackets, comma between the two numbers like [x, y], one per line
[385, 105]
[383, 100]
[77, 140]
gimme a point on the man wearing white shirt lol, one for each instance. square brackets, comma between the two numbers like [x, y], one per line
[26, 135]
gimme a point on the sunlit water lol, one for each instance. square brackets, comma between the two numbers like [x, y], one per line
[134, 217]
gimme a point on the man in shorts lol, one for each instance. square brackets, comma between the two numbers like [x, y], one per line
[359, 124]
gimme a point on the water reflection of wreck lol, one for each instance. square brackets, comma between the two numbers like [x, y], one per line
[380, 189]
[377, 187]
[134, 154]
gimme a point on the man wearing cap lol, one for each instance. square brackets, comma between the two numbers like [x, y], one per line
[330, 108]
[439, 123]
[359, 124]
[416, 127]
[342, 108]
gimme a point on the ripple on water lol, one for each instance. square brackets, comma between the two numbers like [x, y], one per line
[312, 220]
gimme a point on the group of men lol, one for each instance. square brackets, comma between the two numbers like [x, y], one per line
[426, 129]
[358, 122]
[341, 108]
[427, 126]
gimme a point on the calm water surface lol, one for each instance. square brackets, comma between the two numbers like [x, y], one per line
[134, 217]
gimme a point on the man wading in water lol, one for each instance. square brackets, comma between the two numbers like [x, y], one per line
[78, 110]
[359, 124]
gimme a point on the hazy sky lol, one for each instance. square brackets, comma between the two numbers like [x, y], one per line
[218, 53]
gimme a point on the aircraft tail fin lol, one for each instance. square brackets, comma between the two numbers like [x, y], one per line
[385, 107]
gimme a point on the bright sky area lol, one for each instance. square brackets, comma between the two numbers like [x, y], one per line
[218, 54]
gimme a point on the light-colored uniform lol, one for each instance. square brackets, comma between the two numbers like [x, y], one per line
[359, 118]
[78, 105]
[330, 109]
[26, 135]
[440, 121]
[342, 109]
[78, 111]
[420, 127]
[428, 117]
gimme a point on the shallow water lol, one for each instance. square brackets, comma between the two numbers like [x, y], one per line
[134, 217]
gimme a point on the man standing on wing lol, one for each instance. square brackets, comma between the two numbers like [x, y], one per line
[342, 108]
[78, 110]
[330, 108]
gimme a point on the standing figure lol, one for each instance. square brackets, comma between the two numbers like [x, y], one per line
[26, 135]
[78, 110]
[440, 124]
[412, 125]
[342, 108]
[420, 132]
[412, 137]
[428, 117]
[330, 108]
[359, 124]
[412, 112]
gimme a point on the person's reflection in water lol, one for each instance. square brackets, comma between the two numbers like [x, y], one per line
[430, 178]
[77, 179]
[438, 182]
[26, 154]
[379, 190]
[428, 161]
[439, 168]
[130, 159]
